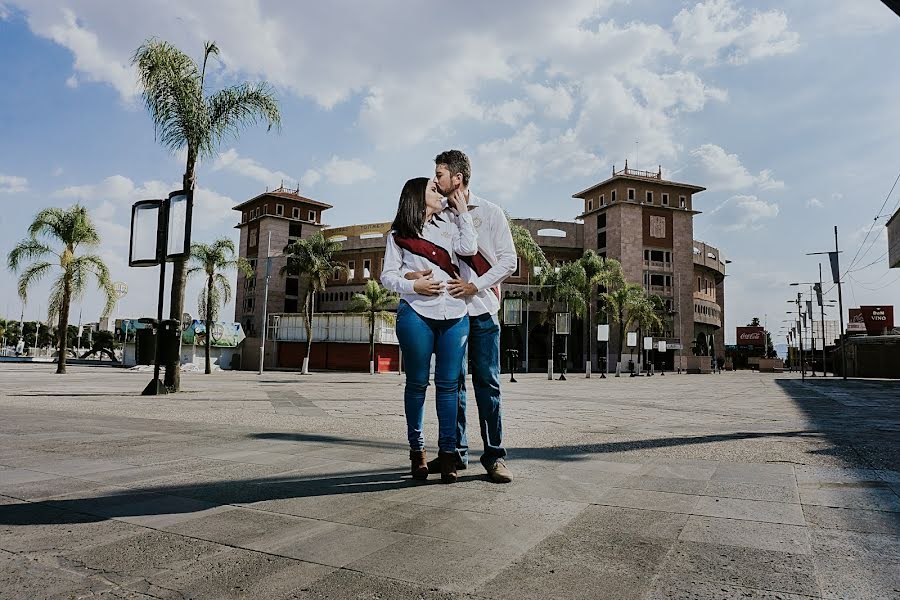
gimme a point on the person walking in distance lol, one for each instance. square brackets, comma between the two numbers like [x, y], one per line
[479, 284]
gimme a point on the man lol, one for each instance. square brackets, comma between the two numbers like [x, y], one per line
[479, 282]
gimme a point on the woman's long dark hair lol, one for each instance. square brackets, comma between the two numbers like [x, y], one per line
[411, 210]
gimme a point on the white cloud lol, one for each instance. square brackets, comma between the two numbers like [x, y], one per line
[554, 102]
[814, 203]
[347, 172]
[509, 113]
[723, 171]
[230, 160]
[740, 213]
[58, 171]
[310, 178]
[12, 184]
[717, 31]
[4, 12]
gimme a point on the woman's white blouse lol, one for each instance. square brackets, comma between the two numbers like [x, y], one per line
[454, 233]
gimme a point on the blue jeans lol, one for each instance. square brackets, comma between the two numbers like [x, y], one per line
[421, 337]
[484, 355]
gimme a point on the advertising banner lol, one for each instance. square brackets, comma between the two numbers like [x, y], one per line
[751, 336]
[878, 319]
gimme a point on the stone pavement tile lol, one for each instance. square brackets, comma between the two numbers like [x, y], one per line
[484, 530]
[256, 457]
[161, 510]
[741, 566]
[816, 474]
[616, 525]
[769, 474]
[750, 510]
[650, 500]
[72, 467]
[318, 502]
[433, 563]
[46, 488]
[602, 466]
[675, 485]
[246, 528]
[15, 476]
[403, 517]
[857, 565]
[557, 488]
[753, 491]
[24, 578]
[138, 556]
[333, 544]
[698, 472]
[139, 474]
[678, 587]
[235, 574]
[850, 519]
[865, 496]
[343, 584]
[748, 534]
[41, 529]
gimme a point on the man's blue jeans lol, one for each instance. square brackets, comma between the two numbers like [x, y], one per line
[419, 338]
[484, 356]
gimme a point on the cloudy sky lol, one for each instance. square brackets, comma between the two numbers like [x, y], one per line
[786, 112]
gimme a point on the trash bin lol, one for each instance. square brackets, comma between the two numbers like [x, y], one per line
[145, 349]
[169, 342]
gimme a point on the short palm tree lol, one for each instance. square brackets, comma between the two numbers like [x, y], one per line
[71, 229]
[598, 271]
[212, 260]
[562, 285]
[644, 312]
[618, 302]
[185, 117]
[374, 302]
[312, 260]
[526, 247]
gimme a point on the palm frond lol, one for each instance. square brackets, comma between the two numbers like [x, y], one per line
[27, 249]
[236, 107]
[224, 287]
[30, 275]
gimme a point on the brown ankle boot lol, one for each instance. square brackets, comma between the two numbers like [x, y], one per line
[448, 466]
[418, 464]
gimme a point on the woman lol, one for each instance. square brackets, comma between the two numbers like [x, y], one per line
[425, 237]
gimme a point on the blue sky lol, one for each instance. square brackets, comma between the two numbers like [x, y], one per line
[786, 112]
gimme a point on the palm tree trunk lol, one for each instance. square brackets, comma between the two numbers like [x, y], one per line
[63, 329]
[372, 344]
[179, 281]
[551, 327]
[308, 304]
[209, 307]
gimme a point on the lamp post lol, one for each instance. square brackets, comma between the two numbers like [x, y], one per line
[160, 233]
[800, 325]
[834, 258]
[512, 317]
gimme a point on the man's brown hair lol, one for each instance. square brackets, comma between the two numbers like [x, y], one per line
[457, 162]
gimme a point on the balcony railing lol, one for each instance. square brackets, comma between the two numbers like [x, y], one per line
[657, 265]
[665, 290]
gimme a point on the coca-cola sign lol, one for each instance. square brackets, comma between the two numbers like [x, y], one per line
[751, 336]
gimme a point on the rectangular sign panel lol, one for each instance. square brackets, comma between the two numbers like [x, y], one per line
[751, 336]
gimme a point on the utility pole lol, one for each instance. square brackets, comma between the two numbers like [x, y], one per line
[262, 345]
[800, 325]
[822, 312]
[834, 257]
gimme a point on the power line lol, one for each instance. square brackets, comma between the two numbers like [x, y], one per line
[872, 226]
[879, 288]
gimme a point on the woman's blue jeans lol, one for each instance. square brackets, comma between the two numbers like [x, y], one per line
[421, 337]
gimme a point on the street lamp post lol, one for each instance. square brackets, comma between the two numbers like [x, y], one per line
[800, 325]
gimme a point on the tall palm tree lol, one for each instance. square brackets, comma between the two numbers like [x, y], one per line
[526, 247]
[212, 260]
[562, 285]
[312, 259]
[72, 229]
[186, 117]
[618, 302]
[598, 271]
[374, 302]
[644, 312]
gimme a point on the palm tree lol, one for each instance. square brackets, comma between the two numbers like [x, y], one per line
[374, 302]
[211, 260]
[185, 117]
[72, 228]
[525, 245]
[313, 261]
[618, 302]
[561, 285]
[644, 312]
[599, 271]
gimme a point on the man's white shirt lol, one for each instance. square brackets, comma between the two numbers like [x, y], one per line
[495, 243]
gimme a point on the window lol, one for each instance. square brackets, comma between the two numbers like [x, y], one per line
[351, 270]
[602, 199]
[336, 276]
[631, 193]
[665, 199]
[382, 265]
[646, 255]
[312, 216]
[657, 255]
[295, 213]
[266, 209]
[254, 236]
[612, 196]
[367, 266]
[518, 267]
[295, 230]
[682, 202]
[590, 204]
[649, 197]
[249, 303]
[245, 217]
[279, 210]
[292, 286]
[601, 239]
[290, 305]
[601, 221]
[699, 284]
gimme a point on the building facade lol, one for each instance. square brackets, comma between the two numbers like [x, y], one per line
[635, 217]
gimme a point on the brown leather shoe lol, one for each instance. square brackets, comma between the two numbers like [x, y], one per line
[434, 465]
[418, 466]
[499, 472]
[448, 466]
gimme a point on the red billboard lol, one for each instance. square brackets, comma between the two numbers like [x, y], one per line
[878, 319]
[751, 336]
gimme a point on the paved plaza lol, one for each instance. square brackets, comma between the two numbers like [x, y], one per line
[281, 486]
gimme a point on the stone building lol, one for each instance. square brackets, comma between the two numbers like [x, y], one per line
[636, 217]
